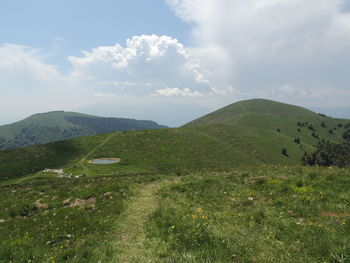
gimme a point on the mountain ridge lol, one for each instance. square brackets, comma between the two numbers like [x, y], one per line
[61, 125]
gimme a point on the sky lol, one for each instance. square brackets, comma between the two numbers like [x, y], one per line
[170, 60]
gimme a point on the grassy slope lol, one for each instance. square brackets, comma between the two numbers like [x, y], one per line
[50, 119]
[60, 125]
[227, 205]
[237, 138]
[271, 115]
[256, 214]
[165, 150]
[276, 214]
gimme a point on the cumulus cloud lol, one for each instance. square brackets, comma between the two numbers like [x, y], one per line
[262, 44]
[149, 64]
[150, 68]
[177, 92]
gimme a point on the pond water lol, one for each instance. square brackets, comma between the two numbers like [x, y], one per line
[104, 161]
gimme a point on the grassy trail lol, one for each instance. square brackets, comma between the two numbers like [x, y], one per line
[98, 146]
[82, 162]
[132, 244]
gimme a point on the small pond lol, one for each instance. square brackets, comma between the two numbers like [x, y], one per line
[104, 161]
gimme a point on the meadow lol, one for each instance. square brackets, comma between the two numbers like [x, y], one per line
[228, 187]
[252, 214]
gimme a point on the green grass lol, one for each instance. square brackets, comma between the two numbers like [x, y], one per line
[222, 192]
[262, 214]
[251, 214]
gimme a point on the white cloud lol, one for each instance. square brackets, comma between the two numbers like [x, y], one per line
[150, 68]
[262, 44]
[23, 71]
[177, 92]
[147, 64]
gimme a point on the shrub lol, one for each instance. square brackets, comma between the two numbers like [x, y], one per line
[311, 127]
[329, 154]
[284, 152]
[346, 135]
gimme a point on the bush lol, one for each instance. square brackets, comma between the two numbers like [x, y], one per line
[284, 152]
[329, 154]
[311, 127]
[346, 135]
[297, 140]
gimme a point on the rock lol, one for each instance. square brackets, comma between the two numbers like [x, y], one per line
[40, 205]
[66, 202]
[83, 203]
[107, 195]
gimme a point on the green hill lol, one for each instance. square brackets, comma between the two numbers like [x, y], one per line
[218, 190]
[248, 133]
[59, 125]
[290, 120]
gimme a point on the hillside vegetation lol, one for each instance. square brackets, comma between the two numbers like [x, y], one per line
[219, 145]
[221, 189]
[59, 125]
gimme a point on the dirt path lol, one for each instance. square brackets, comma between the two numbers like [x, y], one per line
[132, 244]
[83, 160]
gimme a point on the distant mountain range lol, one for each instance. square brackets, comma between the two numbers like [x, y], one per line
[60, 125]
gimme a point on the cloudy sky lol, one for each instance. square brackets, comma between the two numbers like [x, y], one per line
[170, 60]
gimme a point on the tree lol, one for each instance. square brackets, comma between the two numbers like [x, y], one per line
[285, 152]
[329, 154]
[313, 134]
[311, 127]
[278, 130]
[297, 140]
[346, 135]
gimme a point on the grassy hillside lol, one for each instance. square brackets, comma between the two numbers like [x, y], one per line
[163, 151]
[255, 214]
[249, 139]
[218, 191]
[60, 125]
[290, 120]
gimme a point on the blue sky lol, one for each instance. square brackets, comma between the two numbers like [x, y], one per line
[170, 60]
[62, 28]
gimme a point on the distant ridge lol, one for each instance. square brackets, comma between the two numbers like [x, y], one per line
[233, 113]
[60, 125]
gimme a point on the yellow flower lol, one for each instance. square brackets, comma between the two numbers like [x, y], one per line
[194, 216]
[172, 227]
[200, 210]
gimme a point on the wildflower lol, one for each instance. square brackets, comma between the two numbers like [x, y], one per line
[194, 216]
[200, 210]
[250, 198]
[172, 227]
